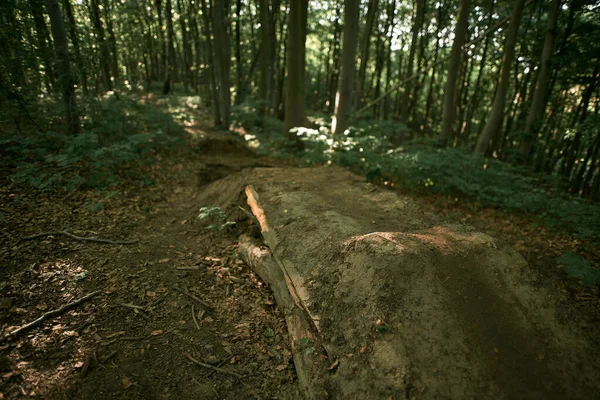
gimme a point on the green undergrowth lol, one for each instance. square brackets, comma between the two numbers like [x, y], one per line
[419, 165]
[120, 136]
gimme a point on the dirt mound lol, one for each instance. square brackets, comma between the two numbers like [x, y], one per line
[411, 307]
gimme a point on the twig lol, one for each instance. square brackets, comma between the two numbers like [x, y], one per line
[191, 296]
[192, 359]
[132, 306]
[194, 318]
[83, 239]
[196, 268]
[48, 315]
[134, 338]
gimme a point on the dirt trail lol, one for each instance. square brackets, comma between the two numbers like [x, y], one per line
[411, 307]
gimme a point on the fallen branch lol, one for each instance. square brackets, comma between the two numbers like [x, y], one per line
[194, 318]
[80, 238]
[191, 296]
[48, 315]
[311, 367]
[192, 359]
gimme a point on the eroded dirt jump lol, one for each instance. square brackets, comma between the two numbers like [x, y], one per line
[407, 307]
[402, 306]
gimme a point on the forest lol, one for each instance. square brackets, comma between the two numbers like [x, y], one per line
[237, 156]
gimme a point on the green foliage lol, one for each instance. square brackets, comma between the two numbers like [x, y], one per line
[119, 136]
[368, 149]
[579, 268]
[215, 218]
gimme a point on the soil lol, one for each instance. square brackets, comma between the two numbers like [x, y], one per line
[409, 305]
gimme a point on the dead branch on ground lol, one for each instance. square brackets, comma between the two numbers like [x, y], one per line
[48, 315]
[75, 237]
[192, 359]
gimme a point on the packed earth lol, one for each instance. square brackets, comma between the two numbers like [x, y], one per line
[404, 300]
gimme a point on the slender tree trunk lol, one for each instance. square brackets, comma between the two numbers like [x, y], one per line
[266, 67]
[186, 51]
[221, 61]
[335, 61]
[536, 111]
[388, 65]
[239, 62]
[294, 84]
[44, 42]
[206, 27]
[65, 78]
[417, 23]
[475, 99]
[72, 26]
[449, 113]
[112, 40]
[364, 50]
[343, 103]
[494, 122]
[102, 44]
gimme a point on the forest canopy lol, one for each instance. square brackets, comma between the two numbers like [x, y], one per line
[493, 100]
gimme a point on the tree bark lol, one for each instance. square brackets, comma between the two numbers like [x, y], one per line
[102, 44]
[221, 61]
[65, 77]
[364, 51]
[44, 43]
[496, 115]
[449, 109]
[418, 22]
[72, 26]
[294, 85]
[343, 98]
[266, 67]
[536, 111]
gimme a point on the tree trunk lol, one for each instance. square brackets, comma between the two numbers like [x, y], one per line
[75, 42]
[102, 44]
[294, 85]
[536, 111]
[496, 115]
[239, 64]
[418, 22]
[364, 50]
[186, 50]
[343, 98]
[170, 68]
[112, 41]
[65, 78]
[44, 43]
[211, 66]
[221, 61]
[266, 67]
[449, 110]
[388, 65]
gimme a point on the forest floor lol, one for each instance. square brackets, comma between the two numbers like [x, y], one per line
[182, 294]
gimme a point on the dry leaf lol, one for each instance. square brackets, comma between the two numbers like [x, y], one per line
[280, 367]
[164, 260]
[79, 364]
[157, 332]
[126, 382]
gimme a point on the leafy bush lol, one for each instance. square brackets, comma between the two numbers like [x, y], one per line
[118, 136]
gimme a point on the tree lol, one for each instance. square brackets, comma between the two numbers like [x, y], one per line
[102, 44]
[343, 98]
[65, 78]
[221, 62]
[536, 110]
[364, 49]
[496, 114]
[294, 83]
[406, 97]
[450, 98]
[266, 59]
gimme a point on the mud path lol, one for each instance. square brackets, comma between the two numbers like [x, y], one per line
[410, 307]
